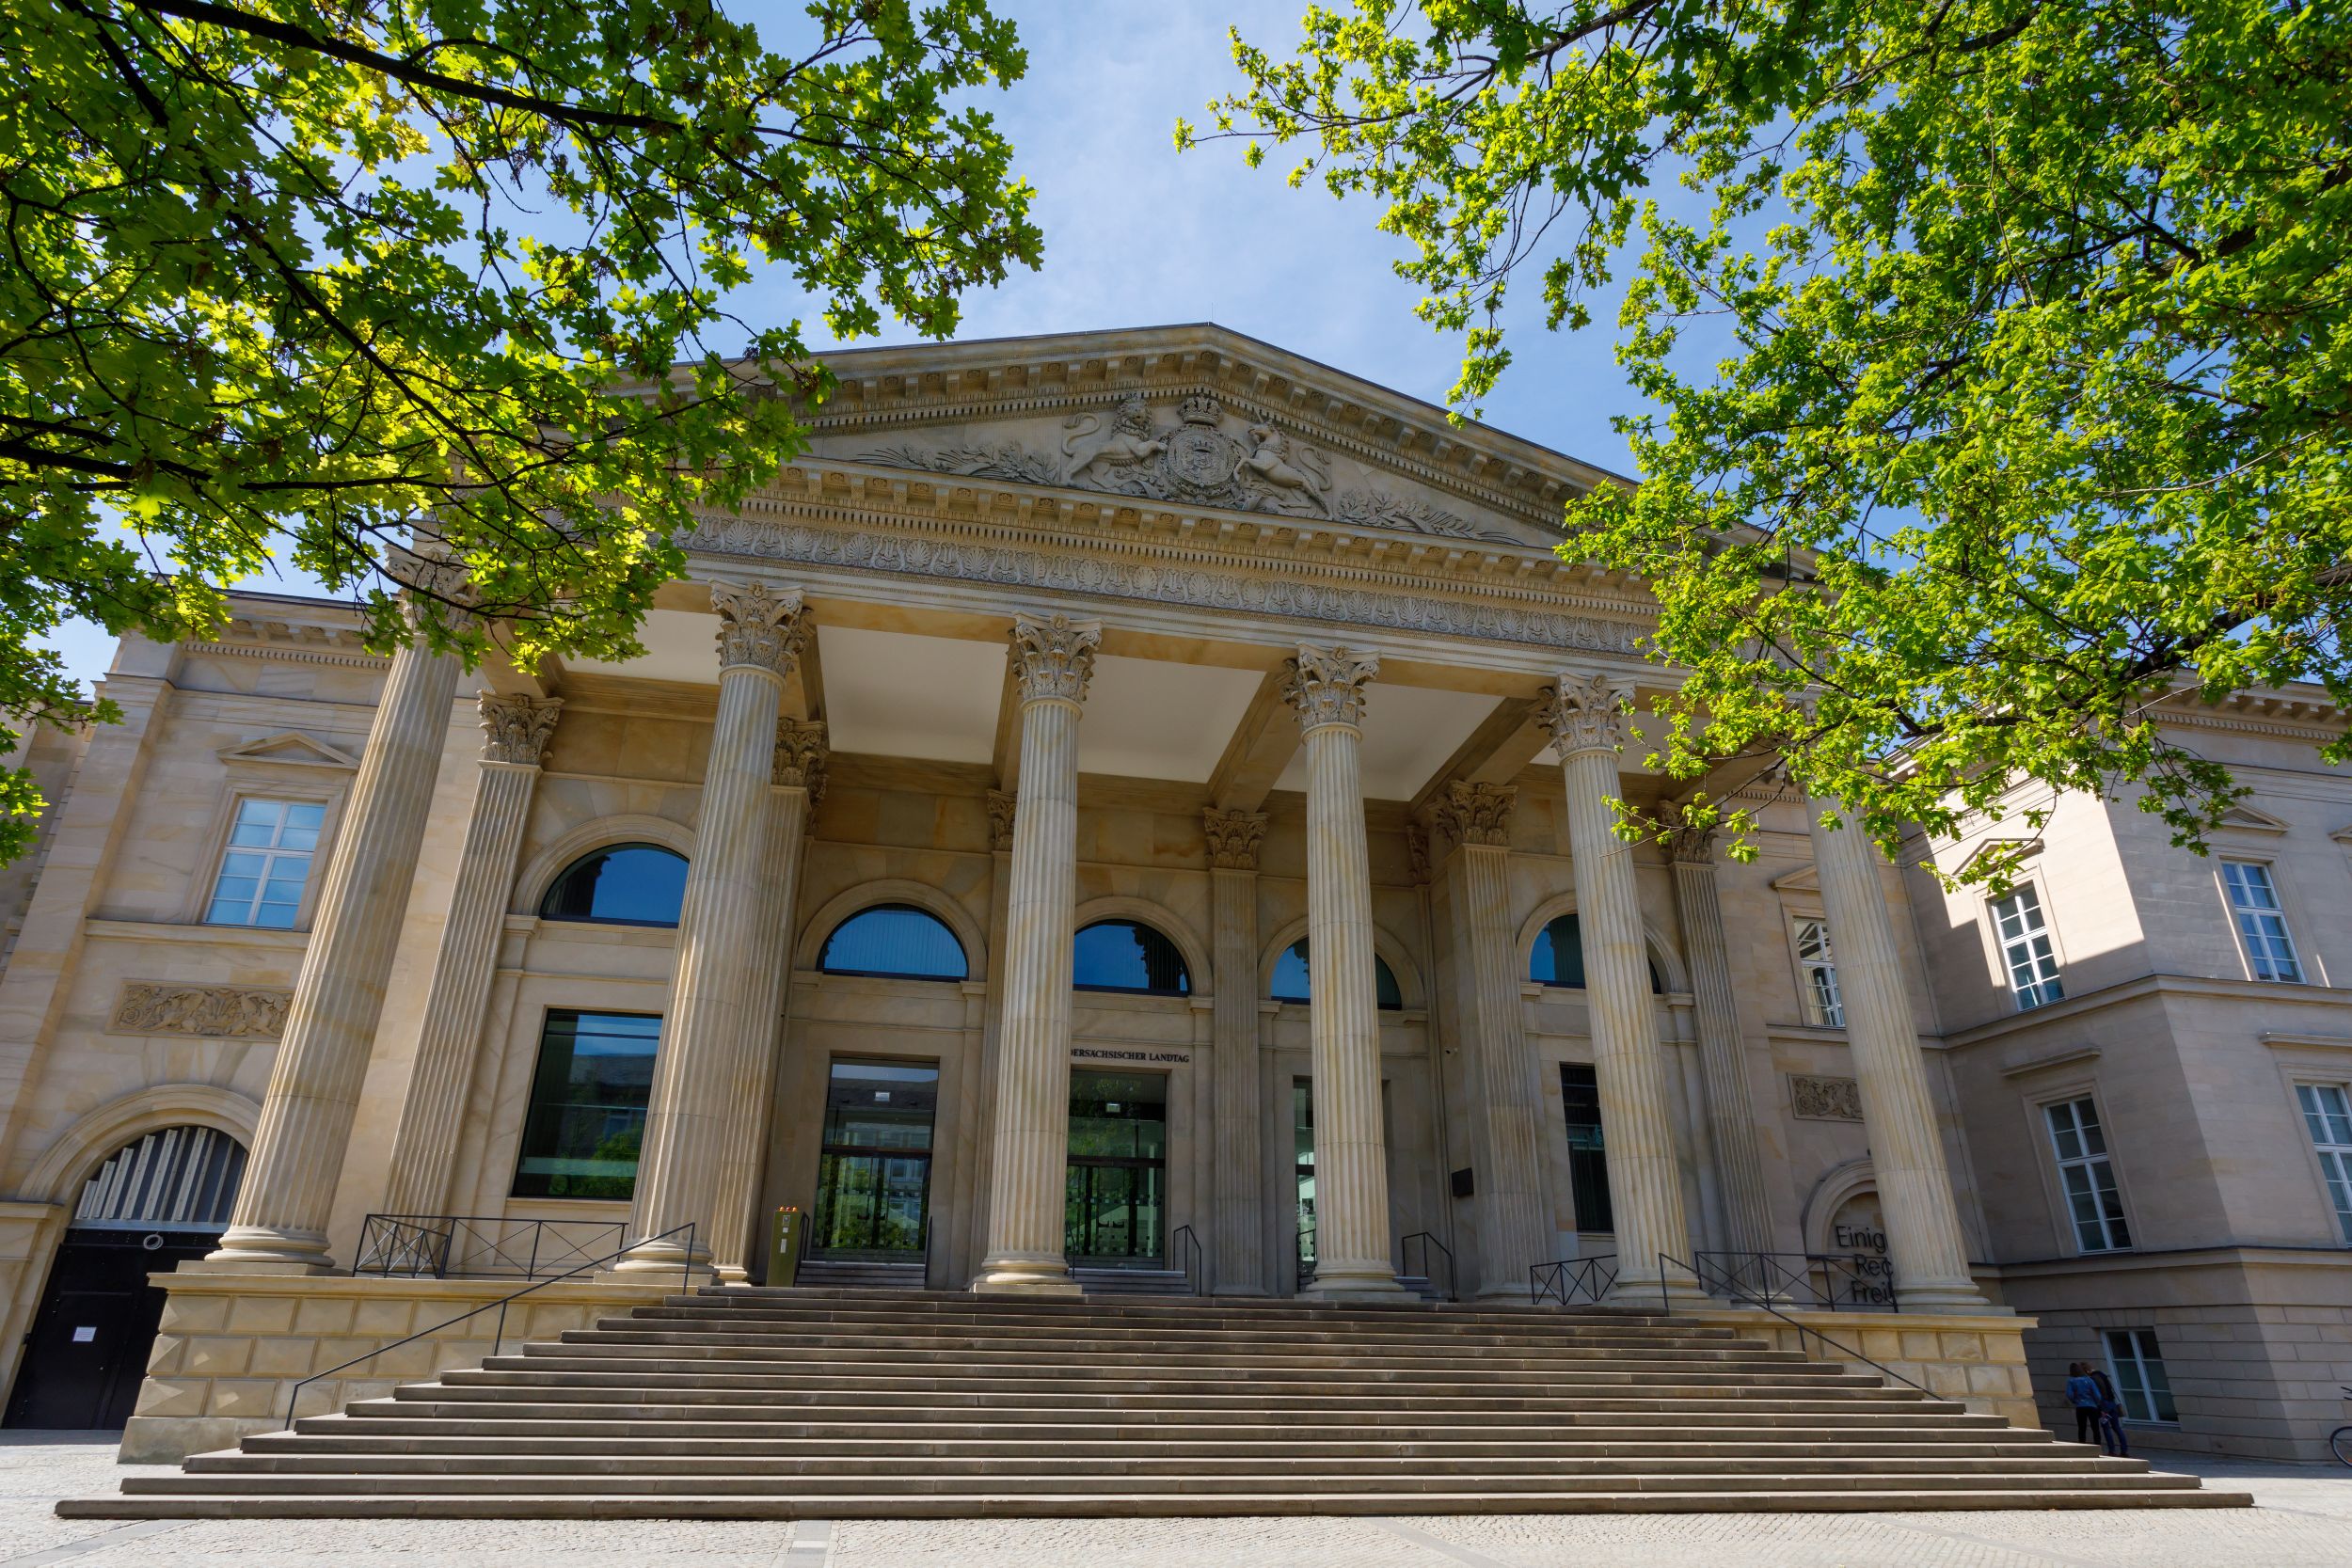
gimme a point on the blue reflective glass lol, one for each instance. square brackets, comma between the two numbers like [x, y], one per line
[895, 941]
[1289, 978]
[1558, 959]
[1127, 955]
[625, 885]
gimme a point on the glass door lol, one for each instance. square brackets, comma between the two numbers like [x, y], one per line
[1115, 1210]
[874, 1179]
[1303, 1169]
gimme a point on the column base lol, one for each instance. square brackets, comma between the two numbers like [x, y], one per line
[648, 1261]
[266, 1250]
[1367, 1281]
[1948, 1296]
[1675, 1292]
[1026, 1274]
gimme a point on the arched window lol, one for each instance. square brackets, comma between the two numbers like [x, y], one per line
[894, 942]
[1129, 956]
[621, 884]
[174, 1178]
[1559, 959]
[1289, 978]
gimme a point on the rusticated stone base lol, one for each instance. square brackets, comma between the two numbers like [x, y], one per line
[1976, 1358]
[233, 1343]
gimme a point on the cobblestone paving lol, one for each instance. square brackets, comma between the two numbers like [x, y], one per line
[2305, 1521]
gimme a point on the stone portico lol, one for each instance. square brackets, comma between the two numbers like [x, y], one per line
[1167, 635]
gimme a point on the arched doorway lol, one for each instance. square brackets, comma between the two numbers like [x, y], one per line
[156, 1201]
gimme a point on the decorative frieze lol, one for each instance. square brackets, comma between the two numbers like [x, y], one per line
[1584, 713]
[1000, 809]
[1476, 813]
[212, 1012]
[759, 628]
[1054, 657]
[1234, 838]
[1327, 684]
[802, 751]
[1102, 575]
[515, 728]
[1813, 1099]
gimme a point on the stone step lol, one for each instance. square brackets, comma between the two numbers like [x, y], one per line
[1276, 1467]
[1025, 1478]
[947, 1377]
[707, 1330]
[1759, 1497]
[755, 1404]
[1192, 1311]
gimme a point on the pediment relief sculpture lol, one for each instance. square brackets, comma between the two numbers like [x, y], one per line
[1198, 453]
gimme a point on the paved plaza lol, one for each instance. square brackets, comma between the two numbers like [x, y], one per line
[2303, 1520]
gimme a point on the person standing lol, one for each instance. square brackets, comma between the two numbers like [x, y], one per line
[2083, 1394]
[2110, 1415]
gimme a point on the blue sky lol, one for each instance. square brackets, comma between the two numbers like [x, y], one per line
[1137, 235]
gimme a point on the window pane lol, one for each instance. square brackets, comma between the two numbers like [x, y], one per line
[276, 916]
[1291, 978]
[1588, 1160]
[894, 942]
[587, 1114]
[627, 884]
[1129, 956]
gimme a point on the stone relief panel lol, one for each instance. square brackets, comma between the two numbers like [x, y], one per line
[1824, 1099]
[1195, 452]
[213, 1012]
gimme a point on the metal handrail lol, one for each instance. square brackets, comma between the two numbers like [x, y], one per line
[1196, 1267]
[1734, 1288]
[1769, 1273]
[686, 1280]
[1427, 1240]
[1299, 1252]
[477, 1245]
[1571, 1277]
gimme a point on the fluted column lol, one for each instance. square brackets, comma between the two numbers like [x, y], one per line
[800, 783]
[279, 1220]
[1585, 716]
[1326, 688]
[1730, 1109]
[1924, 1240]
[714, 979]
[515, 732]
[1514, 1230]
[1053, 659]
[1237, 1256]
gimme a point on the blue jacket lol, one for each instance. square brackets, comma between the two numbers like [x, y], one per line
[2082, 1393]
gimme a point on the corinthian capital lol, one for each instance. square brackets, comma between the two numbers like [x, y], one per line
[1327, 684]
[1687, 844]
[516, 728]
[1233, 838]
[759, 628]
[800, 754]
[1584, 714]
[1054, 657]
[1001, 805]
[436, 577]
[1476, 813]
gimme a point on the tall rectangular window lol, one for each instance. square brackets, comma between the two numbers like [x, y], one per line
[2260, 923]
[2328, 1112]
[588, 1101]
[2025, 950]
[1822, 1004]
[2088, 1175]
[266, 864]
[1588, 1159]
[2137, 1366]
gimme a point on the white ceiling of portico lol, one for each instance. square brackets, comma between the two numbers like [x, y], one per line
[1409, 733]
[680, 645]
[897, 694]
[1148, 719]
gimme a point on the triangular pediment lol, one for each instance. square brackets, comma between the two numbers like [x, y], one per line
[2253, 819]
[290, 748]
[2009, 851]
[1194, 418]
[1806, 878]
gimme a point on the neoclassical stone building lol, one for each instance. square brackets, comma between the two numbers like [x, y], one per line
[1131, 809]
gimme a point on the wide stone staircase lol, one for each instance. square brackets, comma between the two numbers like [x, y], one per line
[756, 1403]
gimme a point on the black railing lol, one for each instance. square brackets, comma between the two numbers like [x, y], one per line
[1713, 1282]
[686, 1281]
[1428, 1243]
[1573, 1279]
[1301, 1241]
[473, 1246]
[1835, 1282]
[1184, 1248]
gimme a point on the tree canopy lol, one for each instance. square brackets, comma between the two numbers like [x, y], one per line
[2031, 402]
[324, 274]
